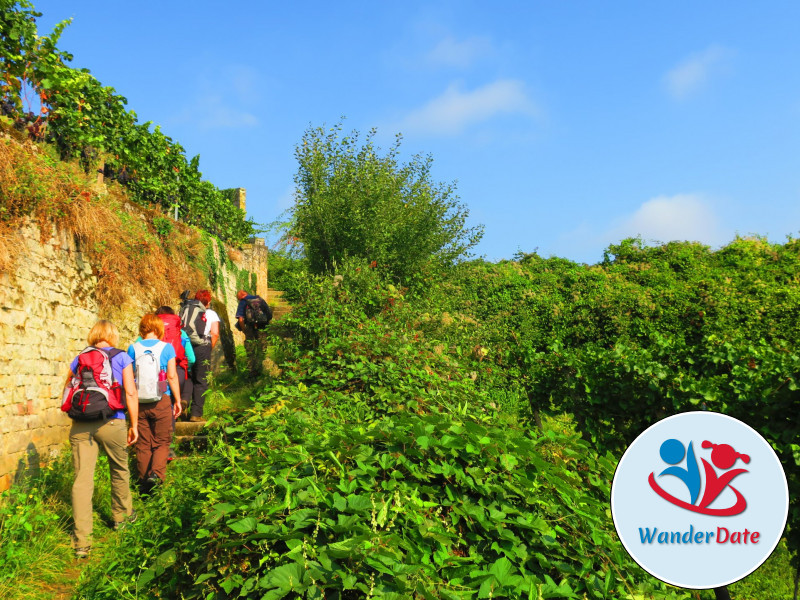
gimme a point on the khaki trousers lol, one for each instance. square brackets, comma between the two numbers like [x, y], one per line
[86, 439]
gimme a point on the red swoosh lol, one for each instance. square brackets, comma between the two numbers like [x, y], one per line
[737, 508]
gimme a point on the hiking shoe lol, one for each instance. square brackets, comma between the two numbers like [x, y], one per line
[82, 552]
[131, 518]
[171, 456]
[197, 420]
[147, 485]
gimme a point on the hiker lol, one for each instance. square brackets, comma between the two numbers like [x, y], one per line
[176, 336]
[201, 324]
[93, 399]
[184, 355]
[252, 316]
[159, 392]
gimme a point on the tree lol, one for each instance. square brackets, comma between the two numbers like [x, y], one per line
[351, 201]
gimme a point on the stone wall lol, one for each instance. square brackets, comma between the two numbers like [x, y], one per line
[47, 308]
[256, 261]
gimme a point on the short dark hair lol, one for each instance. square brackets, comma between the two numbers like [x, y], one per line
[165, 310]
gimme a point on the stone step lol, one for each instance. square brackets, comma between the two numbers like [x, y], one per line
[183, 428]
[275, 296]
[279, 306]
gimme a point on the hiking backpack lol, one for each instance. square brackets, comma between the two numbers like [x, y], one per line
[172, 335]
[93, 392]
[151, 381]
[257, 312]
[193, 318]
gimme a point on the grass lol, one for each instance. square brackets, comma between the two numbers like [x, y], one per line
[232, 391]
[36, 559]
[774, 580]
[36, 556]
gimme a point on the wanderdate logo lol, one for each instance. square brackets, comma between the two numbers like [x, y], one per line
[723, 457]
[699, 500]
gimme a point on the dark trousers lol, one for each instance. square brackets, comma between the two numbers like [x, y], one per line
[254, 341]
[197, 386]
[181, 386]
[155, 434]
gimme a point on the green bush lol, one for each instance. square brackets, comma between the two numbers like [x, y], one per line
[433, 506]
[351, 201]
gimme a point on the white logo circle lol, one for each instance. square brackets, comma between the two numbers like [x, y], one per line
[699, 500]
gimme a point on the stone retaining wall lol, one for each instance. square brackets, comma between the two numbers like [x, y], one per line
[47, 308]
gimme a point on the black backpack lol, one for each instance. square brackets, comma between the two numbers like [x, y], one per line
[257, 312]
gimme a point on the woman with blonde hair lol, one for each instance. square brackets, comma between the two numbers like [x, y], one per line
[156, 383]
[93, 400]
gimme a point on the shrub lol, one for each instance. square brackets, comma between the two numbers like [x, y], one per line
[351, 201]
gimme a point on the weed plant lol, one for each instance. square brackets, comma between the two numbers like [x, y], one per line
[405, 459]
[35, 520]
[128, 256]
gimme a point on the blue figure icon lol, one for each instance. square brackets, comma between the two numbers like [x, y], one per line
[672, 452]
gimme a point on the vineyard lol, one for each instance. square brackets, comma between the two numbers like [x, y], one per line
[67, 108]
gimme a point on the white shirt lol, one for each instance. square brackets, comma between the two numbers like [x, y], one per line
[211, 318]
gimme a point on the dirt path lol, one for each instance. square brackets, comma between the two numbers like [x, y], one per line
[60, 578]
[65, 589]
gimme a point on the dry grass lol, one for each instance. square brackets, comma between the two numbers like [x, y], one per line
[133, 264]
[235, 255]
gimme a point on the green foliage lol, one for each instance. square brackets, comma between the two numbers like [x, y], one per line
[88, 121]
[430, 506]
[23, 517]
[34, 526]
[283, 267]
[649, 333]
[397, 454]
[162, 226]
[351, 201]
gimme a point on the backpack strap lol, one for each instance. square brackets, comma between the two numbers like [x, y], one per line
[111, 354]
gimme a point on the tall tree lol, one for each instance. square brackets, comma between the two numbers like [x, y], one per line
[353, 201]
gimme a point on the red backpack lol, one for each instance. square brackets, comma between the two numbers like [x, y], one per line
[172, 335]
[93, 392]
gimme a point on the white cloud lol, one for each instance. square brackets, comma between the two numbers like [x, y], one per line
[668, 218]
[212, 109]
[696, 71]
[455, 109]
[454, 53]
[211, 112]
[661, 219]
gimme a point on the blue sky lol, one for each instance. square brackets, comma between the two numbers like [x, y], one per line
[566, 126]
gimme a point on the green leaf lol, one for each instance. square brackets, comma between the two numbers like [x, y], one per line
[244, 525]
[501, 569]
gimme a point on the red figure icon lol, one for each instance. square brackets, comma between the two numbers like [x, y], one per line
[724, 457]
